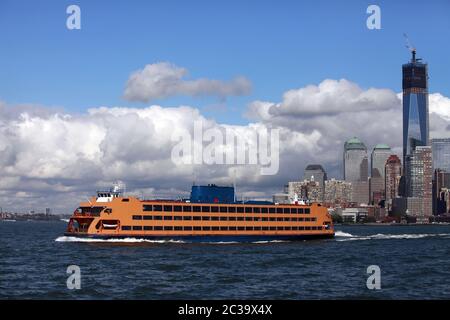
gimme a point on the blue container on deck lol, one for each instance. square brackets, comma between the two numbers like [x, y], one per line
[212, 194]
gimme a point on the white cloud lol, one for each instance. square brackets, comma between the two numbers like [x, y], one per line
[162, 80]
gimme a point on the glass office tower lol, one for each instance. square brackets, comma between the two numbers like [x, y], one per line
[441, 153]
[415, 106]
[415, 113]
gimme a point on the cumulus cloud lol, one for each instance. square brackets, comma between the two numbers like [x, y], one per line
[330, 97]
[162, 80]
[56, 159]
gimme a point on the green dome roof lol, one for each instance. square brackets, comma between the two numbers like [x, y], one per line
[354, 143]
[382, 146]
[353, 140]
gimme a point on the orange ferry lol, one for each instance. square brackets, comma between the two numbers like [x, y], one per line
[211, 214]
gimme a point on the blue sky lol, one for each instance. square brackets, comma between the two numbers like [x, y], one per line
[277, 45]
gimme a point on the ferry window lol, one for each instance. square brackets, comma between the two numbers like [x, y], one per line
[307, 219]
[271, 210]
[206, 228]
[126, 227]
[313, 219]
[257, 228]
[187, 208]
[301, 228]
[197, 218]
[157, 207]
[265, 228]
[205, 218]
[232, 209]
[272, 219]
[125, 200]
[223, 228]
[197, 228]
[178, 228]
[240, 218]
[214, 209]
[177, 208]
[265, 219]
[231, 218]
[249, 228]
[197, 208]
[272, 228]
[168, 208]
[232, 228]
[148, 228]
[168, 217]
[215, 218]
[256, 210]
[256, 218]
[293, 219]
[137, 227]
[287, 210]
[215, 228]
[248, 219]
[241, 228]
[157, 217]
[187, 218]
[177, 218]
[205, 208]
[279, 210]
[293, 210]
[307, 228]
[157, 228]
[264, 210]
[294, 228]
[168, 228]
[307, 210]
[240, 209]
[287, 228]
[300, 210]
[147, 207]
[287, 219]
[279, 219]
[301, 219]
[187, 228]
[223, 209]
[248, 209]
[137, 217]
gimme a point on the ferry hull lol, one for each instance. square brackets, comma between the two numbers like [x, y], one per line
[208, 238]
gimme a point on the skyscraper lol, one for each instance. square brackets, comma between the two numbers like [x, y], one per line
[315, 172]
[393, 173]
[356, 165]
[420, 171]
[378, 158]
[415, 106]
[441, 153]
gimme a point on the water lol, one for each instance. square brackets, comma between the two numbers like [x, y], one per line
[414, 262]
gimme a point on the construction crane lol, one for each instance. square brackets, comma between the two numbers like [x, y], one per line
[410, 47]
